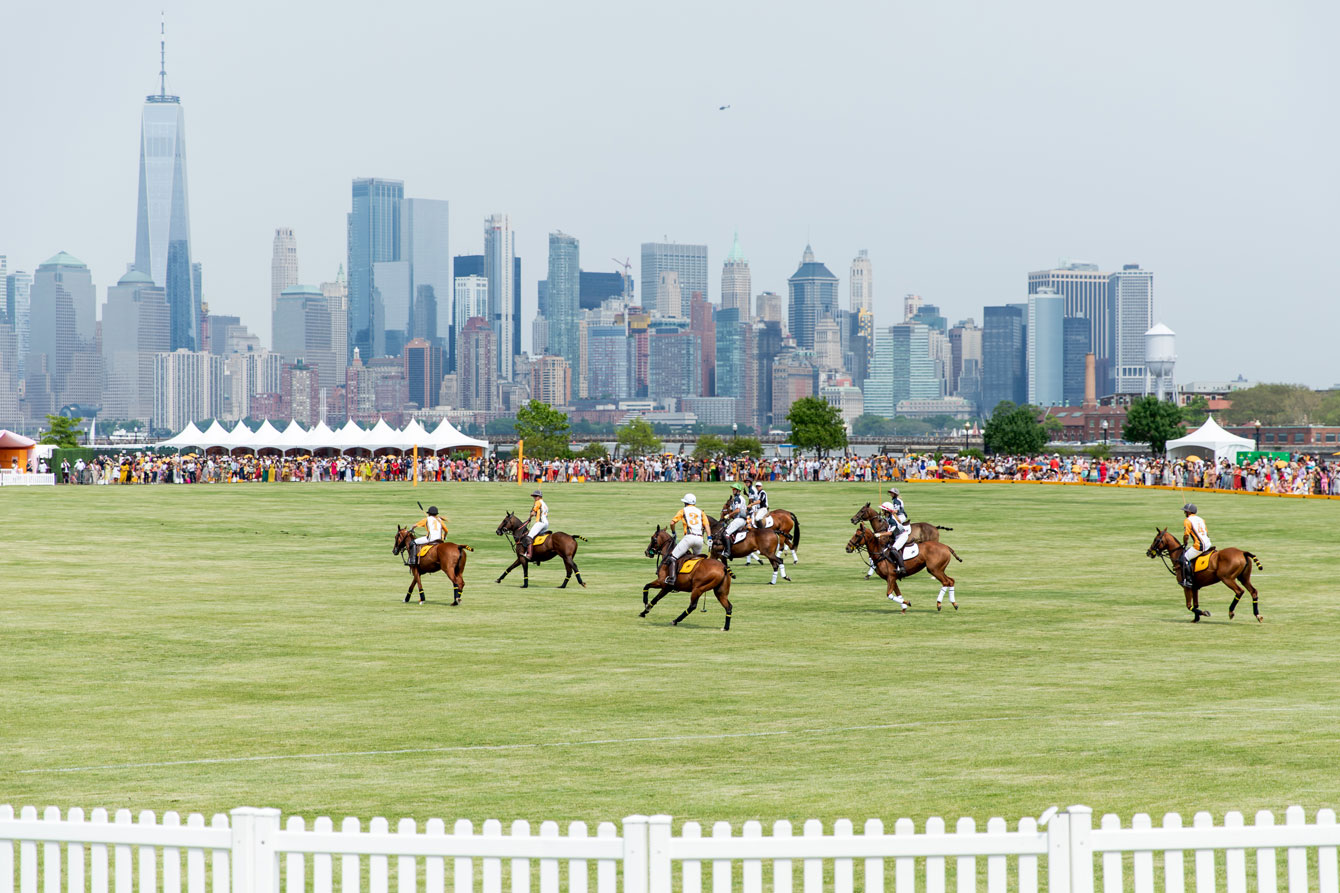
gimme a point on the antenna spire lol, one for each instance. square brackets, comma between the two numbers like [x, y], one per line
[162, 55]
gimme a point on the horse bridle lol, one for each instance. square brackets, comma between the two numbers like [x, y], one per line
[1164, 553]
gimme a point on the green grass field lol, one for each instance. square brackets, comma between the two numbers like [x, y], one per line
[200, 648]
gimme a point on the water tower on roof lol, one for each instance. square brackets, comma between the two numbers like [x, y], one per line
[1160, 357]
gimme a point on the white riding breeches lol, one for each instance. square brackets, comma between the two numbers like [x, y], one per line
[421, 540]
[690, 543]
[900, 541]
[734, 526]
[1192, 552]
[761, 516]
[537, 528]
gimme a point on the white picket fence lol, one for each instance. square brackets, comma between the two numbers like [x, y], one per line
[250, 851]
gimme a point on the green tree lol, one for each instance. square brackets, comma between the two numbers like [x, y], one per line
[816, 425]
[593, 451]
[1273, 404]
[1152, 421]
[871, 425]
[543, 429]
[1014, 429]
[745, 446]
[708, 445]
[1195, 411]
[61, 431]
[637, 438]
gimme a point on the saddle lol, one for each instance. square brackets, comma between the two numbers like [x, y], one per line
[910, 551]
[739, 536]
[1203, 561]
[539, 540]
[688, 566]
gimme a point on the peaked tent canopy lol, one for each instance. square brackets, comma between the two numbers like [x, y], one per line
[446, 436]
[1209, 440]
[294, 437]
[188, 436]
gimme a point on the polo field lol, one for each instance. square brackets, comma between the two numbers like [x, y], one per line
[200, 647]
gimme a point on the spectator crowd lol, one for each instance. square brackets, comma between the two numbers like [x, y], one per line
[1303, 474]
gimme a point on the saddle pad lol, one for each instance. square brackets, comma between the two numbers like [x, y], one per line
[910, 551]
[539, 540]
[1203, 561]
[739, 536]
[423, 550]
[688, 566]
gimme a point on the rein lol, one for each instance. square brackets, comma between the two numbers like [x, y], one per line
[1165, 554]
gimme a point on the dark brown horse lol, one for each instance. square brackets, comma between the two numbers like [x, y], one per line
[1228, 566]
[785, 523]
[765, 541]
[934, 557]
[707, 574]
[449, 558]
[921, 531]
[557, 544]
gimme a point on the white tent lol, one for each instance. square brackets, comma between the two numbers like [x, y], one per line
[213, 436]
[383, 437]
[1209, 441]
[320, 438]
[447, 437]
[293, 437]
[237, 439]
[350, 437]
[415, 435]
[189, 436]
[266, 437]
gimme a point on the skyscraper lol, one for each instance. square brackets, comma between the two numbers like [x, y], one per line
[423, 371]
[735, 285]
[424, 242]
[373, 237]
[1085, 289]
[608, 353]
[1003, 352]
[478, 372]
[862, 284]
[813, 296]
[702, 323]
[770, 308]
[283, 264]
[135, 323]
[18, 299]
[1130, 314]
[674, 367]
[1075, 348]
[669, 294]
[689, 261]
[563, 301]
[308, 330]
[1046, 348]
[163, 225]
[499, 257]
[188, 387]
[551, 381]
[62, 326]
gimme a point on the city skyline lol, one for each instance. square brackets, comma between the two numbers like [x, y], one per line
[1255, 194]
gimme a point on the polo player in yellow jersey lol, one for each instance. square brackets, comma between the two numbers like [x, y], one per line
[695, 528]
[1195, 542]
[435, 531]
[538, 521]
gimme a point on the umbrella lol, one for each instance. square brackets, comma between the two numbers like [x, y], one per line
[1194, 459]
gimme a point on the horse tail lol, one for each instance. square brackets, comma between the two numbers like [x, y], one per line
[795, 522]
[578, 536]
[467, 548]
[952, 552]
[939, 527]
[1254, 560]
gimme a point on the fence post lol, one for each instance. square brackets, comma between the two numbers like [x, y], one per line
[658, 854]
[254, 861]
[635, 874]
[1058, 853]
[1081, 849]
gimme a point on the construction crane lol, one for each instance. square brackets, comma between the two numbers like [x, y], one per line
[627, 265]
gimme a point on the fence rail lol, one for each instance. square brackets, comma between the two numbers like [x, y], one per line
[251, 851]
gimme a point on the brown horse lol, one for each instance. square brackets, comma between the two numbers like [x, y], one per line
[765, 541]
[933, 556]
[921, 531]
[558, 544]
[1228, 566]
[707, 574]
[449, 558]
[785, 523]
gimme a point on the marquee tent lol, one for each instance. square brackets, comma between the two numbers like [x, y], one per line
[351, 436]
[1209, 441]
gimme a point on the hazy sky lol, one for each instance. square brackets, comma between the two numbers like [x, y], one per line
[963, 144]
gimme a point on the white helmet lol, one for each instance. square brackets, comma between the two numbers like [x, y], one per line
[888, 507]
[689, 499]
[894, 491]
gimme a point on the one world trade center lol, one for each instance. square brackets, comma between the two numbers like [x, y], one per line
[163, 227]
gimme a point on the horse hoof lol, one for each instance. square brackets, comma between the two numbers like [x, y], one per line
[938, 606]
[955, 606]
[1260, 618]
[1230, 615]
[904, 611]
[455, 603]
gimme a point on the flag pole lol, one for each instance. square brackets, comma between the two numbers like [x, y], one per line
[416, 465]
[520, 462]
